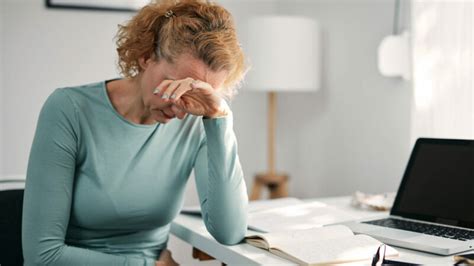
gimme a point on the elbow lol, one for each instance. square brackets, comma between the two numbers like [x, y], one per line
[32, 256]
[230, 238]
[231, 234]
[39, 254]
[33, 259]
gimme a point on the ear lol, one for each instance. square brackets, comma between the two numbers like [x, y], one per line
[145, 61]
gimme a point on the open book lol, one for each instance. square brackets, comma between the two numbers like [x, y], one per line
[322, 245]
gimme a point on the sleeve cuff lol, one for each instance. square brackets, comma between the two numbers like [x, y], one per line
[216, 124]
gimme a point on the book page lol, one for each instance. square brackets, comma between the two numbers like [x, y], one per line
[336, 250]
[254, 206]
[296, 217]
[299, 237]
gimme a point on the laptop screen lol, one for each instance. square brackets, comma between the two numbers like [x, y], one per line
[438, 185]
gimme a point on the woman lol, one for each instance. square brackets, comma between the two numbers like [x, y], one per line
[110, 160]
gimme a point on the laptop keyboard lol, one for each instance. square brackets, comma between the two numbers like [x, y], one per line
[429, 229]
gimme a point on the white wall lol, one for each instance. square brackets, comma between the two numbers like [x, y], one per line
[354, 134]
[1, 89]
[2, 126]
[443, 100]
[45, 49]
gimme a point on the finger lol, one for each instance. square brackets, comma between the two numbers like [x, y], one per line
[198, 84]
[165, 254]
[180, 104]
[180, 114]
[159, 116]
[158, 103]
[161, 119]
[170, 89]
[167, 258]
[169, 113]
[161, 86]
[182, 89]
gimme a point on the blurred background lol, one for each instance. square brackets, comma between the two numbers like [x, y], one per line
[354, 133]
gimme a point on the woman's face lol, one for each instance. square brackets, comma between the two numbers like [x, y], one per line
[185, 66]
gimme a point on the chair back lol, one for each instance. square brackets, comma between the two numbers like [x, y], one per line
[11, 206]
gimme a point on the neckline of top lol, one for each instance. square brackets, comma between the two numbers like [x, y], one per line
[110, 105]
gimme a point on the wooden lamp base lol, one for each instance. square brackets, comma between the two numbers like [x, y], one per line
[276, 183]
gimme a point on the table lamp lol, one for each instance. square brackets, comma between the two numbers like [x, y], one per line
[284, 53]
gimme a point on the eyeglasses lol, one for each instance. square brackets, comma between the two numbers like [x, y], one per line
[379, 258]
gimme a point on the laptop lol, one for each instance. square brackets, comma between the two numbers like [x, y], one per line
[434, 207]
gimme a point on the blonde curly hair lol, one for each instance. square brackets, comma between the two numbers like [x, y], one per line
[167, 29]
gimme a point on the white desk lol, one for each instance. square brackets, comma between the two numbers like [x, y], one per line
[192, 230]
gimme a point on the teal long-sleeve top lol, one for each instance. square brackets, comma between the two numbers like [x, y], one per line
[101, 190]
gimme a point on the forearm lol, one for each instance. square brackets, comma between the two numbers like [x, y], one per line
[61, 254]
[225, 212]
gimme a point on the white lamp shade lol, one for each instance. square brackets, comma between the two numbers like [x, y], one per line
[284, 53]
